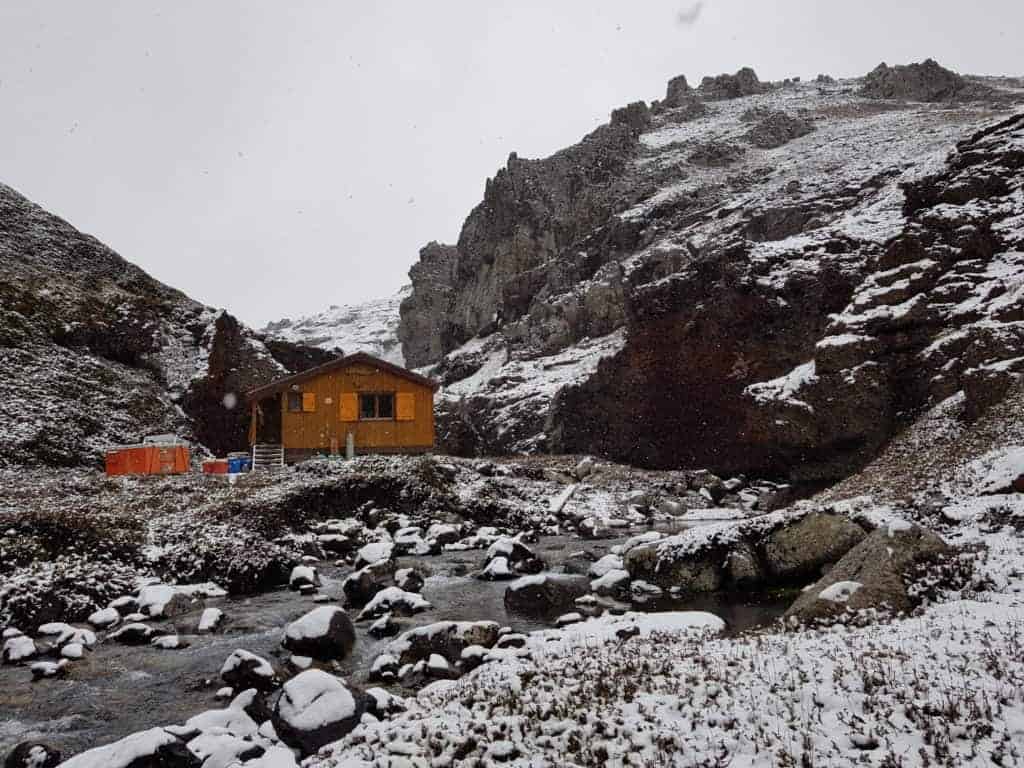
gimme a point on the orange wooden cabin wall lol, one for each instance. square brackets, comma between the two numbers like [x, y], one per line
[323, 428]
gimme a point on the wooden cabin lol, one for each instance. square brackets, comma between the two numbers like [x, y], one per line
[360, 399]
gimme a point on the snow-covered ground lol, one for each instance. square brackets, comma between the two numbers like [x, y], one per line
[942, 687]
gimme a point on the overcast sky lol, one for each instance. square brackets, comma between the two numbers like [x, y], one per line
[274, 158]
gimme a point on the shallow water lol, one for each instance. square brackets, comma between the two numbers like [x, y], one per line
[117, 689]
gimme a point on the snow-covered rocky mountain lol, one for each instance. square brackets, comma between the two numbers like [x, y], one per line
[755, 277]
[371, 326]
[95, 352]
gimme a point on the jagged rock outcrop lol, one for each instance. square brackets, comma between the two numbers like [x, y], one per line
[744, 83]
[96, 352]
[665, 310]
[926, 81]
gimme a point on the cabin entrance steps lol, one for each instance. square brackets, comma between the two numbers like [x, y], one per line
[267, 456]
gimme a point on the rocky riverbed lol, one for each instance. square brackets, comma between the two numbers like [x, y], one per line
[131, 555]
[411, 594]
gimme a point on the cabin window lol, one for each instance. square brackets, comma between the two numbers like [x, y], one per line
[295, 402]
[377, 405]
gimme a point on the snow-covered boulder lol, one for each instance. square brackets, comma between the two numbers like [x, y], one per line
[446, 638]
[613, 583]
[223, 750]
[395, 601]
[104, 618]
[374, 552]
[134, 633]
[303, 576]
[315, 708]
[607, 563]
[18, 649]
[163, 601]
[41, 669]
[385, 626]
[210, 620]
[169, 642]
[242, 670]
[545, 592]
[155, 748]
[324, 633]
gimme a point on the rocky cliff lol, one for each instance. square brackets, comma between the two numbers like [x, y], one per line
[95, 352]
[749, 276]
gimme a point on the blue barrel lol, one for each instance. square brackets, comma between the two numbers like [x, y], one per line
[234, 466]
[246, 464]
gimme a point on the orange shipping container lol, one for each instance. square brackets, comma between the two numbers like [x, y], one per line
[148, 460]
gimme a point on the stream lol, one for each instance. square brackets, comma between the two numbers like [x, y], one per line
[118, 689]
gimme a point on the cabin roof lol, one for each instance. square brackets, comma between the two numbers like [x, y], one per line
[279, 385]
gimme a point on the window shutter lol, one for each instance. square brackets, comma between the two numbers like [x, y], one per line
[405, 406]
[308, 402]
[349, 406]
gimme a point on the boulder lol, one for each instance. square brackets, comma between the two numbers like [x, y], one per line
[374, 552]
[315, 708]
[382, 704]
[446, 638]
[798, 550]
[409, 579]
[43, 669]
[545, 593]
[210, 620]
[32, 754]
[872, 575]
[19, 648]
[214, 749]
[385, 626]
[699, 571]
[324, 633]
[395, 601]
[163, 601]
[612, 583]
[584, 468]
[610, 562]
[498, 569]
[303, 576]
[104, 618]
[134, 633]
[155, 748]
[243, 670]
[360, 587]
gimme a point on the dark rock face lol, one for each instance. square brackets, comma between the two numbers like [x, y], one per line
[669, 299]
[531, 211]
[924, 81]
[98, 353]
[424, 331]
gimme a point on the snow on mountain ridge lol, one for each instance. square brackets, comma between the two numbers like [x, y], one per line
[371, 326]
